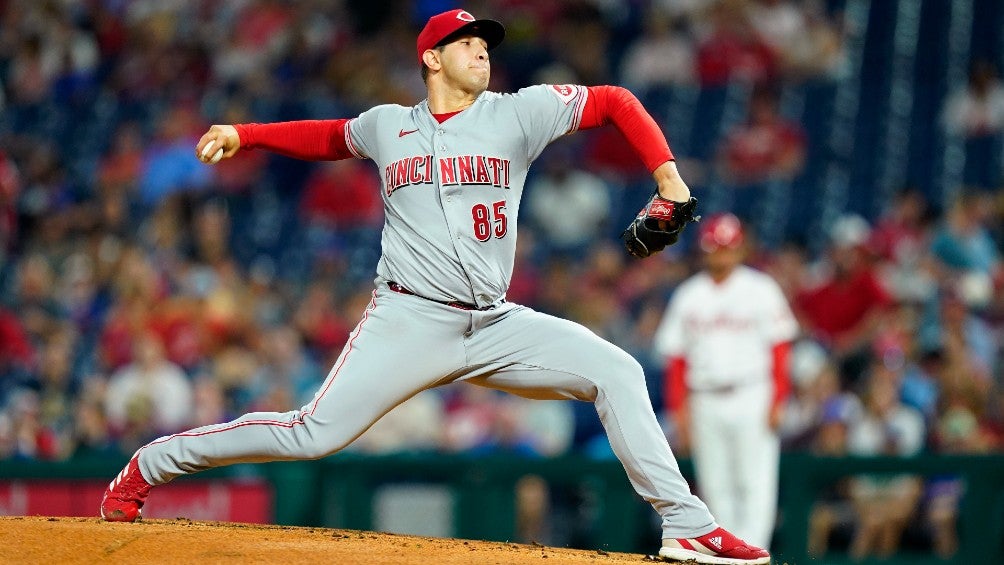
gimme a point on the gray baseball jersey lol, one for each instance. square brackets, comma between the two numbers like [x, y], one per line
[452, 193]
[452, 190]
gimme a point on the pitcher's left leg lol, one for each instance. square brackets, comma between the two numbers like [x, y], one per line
[540, 356]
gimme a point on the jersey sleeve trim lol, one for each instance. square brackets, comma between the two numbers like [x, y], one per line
[580, 104]
[351, 144]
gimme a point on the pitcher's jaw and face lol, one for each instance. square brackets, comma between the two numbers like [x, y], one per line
[463, 63]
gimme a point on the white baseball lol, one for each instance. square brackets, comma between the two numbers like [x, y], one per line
[216, 156]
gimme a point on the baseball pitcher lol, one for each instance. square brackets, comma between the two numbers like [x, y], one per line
[453, 168]
[726, 334]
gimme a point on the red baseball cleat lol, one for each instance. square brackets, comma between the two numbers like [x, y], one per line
[718, 547]
[125, 495]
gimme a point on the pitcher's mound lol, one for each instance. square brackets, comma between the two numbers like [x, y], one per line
[89, 540]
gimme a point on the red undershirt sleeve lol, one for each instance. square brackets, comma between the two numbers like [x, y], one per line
[311, 140]
[675, 383]
[782, 383]
[616, 105]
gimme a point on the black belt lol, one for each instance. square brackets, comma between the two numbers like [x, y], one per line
[726, 388]
[721, 389]
[452, 303]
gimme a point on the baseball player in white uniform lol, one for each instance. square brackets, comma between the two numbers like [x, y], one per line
[453, 168]
[726, 336]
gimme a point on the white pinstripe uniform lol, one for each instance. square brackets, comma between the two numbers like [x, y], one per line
[726, 332]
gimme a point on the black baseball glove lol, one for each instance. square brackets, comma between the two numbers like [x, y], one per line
[658, 225]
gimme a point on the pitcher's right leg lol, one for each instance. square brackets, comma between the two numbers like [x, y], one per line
[375, 372]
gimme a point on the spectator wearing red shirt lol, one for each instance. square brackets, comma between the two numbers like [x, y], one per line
[342, 212]
[119, 170]
[10, 188]
[844, 311]
[28, 437]
[17, 355]
[733, 50]
[900, 241]
[765, 147]
[138, 293]
[899, 233]
[342, 195]
[318, 320]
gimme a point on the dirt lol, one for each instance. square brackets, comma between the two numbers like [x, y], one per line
[40, 539]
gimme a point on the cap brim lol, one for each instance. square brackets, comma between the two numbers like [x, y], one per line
[491, 31]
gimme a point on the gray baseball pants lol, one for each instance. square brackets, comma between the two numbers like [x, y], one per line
[405, 344]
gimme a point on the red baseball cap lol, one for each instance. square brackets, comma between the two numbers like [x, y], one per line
[442, 27]
[721, 230]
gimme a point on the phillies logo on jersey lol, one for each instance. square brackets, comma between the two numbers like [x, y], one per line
[729, 323]
[474, 169]
[406, 172]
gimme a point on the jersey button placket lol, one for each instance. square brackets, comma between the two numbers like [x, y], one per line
[446, 196]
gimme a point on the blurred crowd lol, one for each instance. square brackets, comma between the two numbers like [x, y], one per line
[144, 293]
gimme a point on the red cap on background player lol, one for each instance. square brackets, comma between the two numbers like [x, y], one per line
[721, 230]
[442, 27]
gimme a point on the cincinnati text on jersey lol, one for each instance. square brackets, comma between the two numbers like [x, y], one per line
[460, 170]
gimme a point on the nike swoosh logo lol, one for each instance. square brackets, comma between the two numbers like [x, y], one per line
[403, 133]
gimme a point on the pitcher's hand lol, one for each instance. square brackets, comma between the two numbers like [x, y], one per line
[220, 142]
